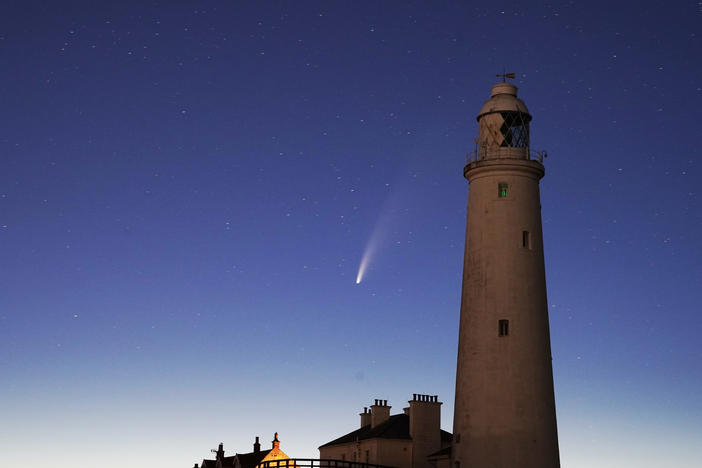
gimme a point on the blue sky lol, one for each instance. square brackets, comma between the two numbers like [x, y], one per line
[187, 189]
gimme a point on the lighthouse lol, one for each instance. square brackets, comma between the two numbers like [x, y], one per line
[504, 414]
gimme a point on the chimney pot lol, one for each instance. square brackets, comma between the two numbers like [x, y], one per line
[366, 417]
[379, 413]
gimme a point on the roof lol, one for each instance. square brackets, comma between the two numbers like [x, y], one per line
[503, 97]
[246, 460]
[395, 427]
[251, 459]
[227, 462]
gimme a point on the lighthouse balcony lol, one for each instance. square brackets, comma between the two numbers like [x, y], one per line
[481, 154]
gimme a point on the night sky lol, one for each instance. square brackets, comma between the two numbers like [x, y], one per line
[187, 190]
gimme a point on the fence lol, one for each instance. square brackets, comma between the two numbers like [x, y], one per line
[504, 153]
[317, 463]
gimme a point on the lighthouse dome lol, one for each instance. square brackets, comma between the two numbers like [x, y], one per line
[503, 97]
[503, 125]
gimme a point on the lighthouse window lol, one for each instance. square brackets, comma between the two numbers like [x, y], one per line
[502, 190]
[526, 239]
[515, 129]
[503, 328]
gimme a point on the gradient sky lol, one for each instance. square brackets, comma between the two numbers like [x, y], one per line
[187, 189]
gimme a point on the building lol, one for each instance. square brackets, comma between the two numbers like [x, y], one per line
[504, 410]
[247, 460]
[411, 439]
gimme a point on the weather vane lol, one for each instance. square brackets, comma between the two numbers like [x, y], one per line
[505, 76]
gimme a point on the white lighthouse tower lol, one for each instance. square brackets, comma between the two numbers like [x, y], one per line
[505, 414]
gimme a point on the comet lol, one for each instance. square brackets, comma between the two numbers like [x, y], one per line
[368, 253]
[361, 269]
[391, 218]
[388, 217]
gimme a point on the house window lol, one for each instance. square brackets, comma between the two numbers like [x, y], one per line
[343, 457]
[526, 239]
[502, 190]
[367, 455]
[503, 328]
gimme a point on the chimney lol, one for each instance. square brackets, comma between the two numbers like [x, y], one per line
[257, 446]
[425, 427]
[365, 417]
[380, 412]
[196, 465]
[276, 442]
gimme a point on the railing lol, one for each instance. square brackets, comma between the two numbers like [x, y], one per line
[505, 153]
[316, 463]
